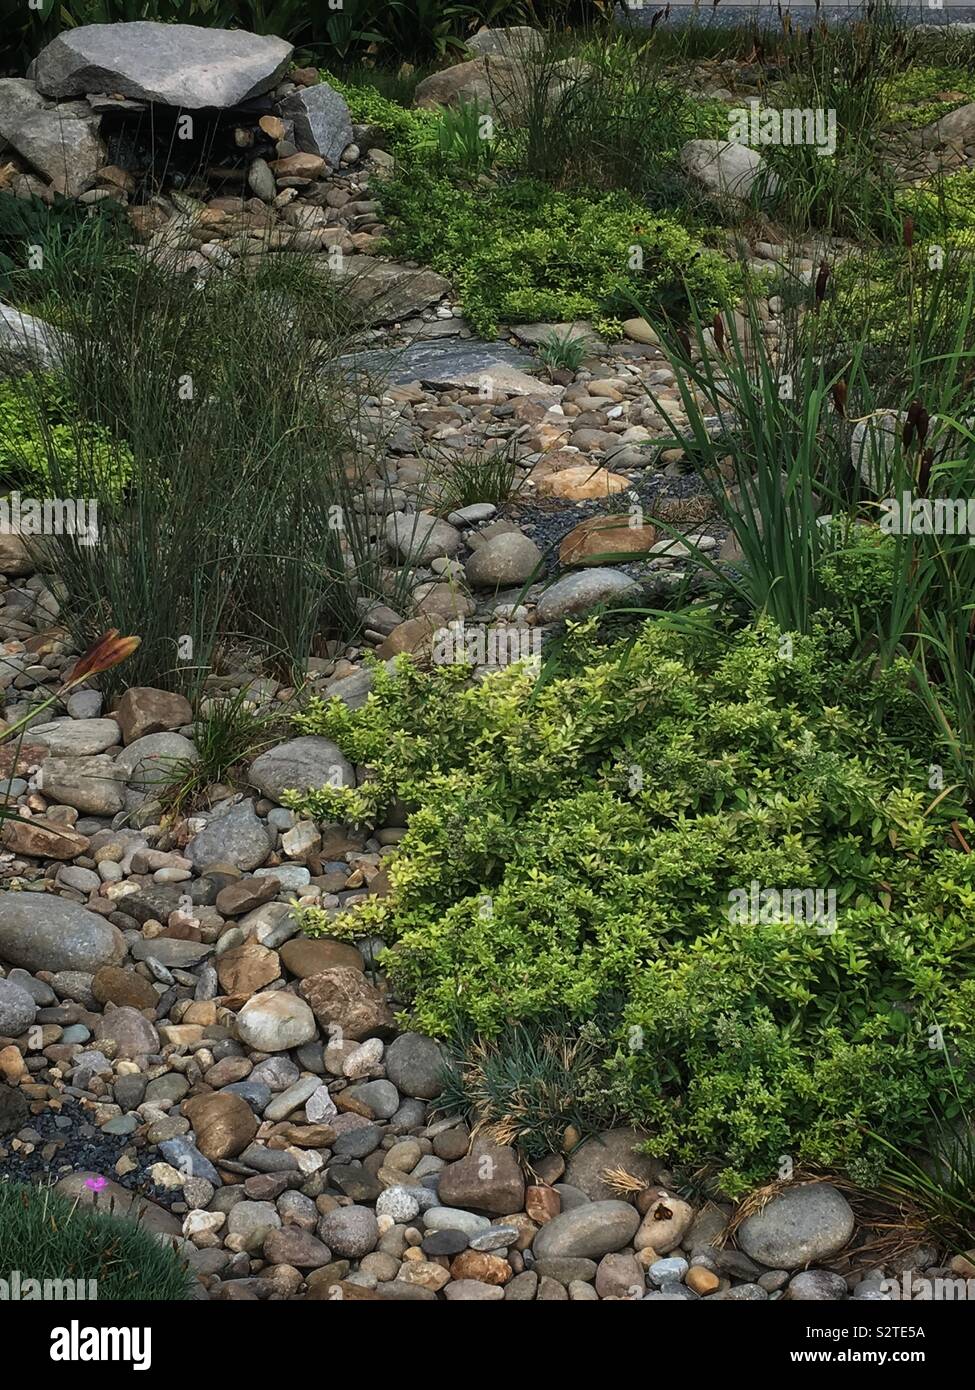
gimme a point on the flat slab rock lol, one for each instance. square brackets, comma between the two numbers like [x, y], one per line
[111, 1197]
[387, 291]
[443, 364]
[180, 65]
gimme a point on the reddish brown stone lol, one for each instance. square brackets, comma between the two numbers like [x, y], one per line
[542, 1204]
[476, 1264]
[344, 998]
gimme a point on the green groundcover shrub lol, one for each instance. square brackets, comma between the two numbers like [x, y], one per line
[523, 251]
[585, 837]
[49, 1238]
[36, 427]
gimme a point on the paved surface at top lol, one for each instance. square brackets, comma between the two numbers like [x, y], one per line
[704, 13]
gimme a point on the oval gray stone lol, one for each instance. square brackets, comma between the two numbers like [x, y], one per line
[801, 1225]
[41, 932]
[299, 764]
[455, 1219]
[350, 1232]
[510, 558]
[77, 737]
[415, 1065]
[592, 1231]
[154, 760]
[816, 1286]
[577, 593]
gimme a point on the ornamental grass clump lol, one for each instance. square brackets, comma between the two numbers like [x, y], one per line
[74, 1251]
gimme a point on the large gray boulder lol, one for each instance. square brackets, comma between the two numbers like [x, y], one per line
[578, 593]
[65, 148]
[957, 125]
[495, 82]
[41, 932]
[25, 341]
[323, 125]
[176, 64]
[517, 41]
[726, 168]
[18, 98]
[800, 1226]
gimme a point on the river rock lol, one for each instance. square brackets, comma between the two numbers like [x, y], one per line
[291, 1246]
[803, 1224]
[91, 785]
[343, 998]
[614, 1148]
[223, 1123]
[578, 593]
[76, 737]
[130, 1030]
[415, 1065]
[487, 1179]
[24, 338]
[419, 537]
[245, 969]
[236, 837]
[154, 760]
[350, 1232]
[17, 1009]
[517, 40]
[592, 1230]
[301, 764]
[305, 956]
[275, 1021]
[145, 710]
[43, 838]
[502, 561]
[726, 167]
[41, 932]
[816, 1286]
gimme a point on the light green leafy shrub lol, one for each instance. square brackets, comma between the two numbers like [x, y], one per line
[519, 249]
[367, 106]
[944, 206]
[524, 251]
[40, 449]
[579, 839]
[915, 96]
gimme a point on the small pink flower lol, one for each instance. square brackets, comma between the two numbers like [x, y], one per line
[96, 1184]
